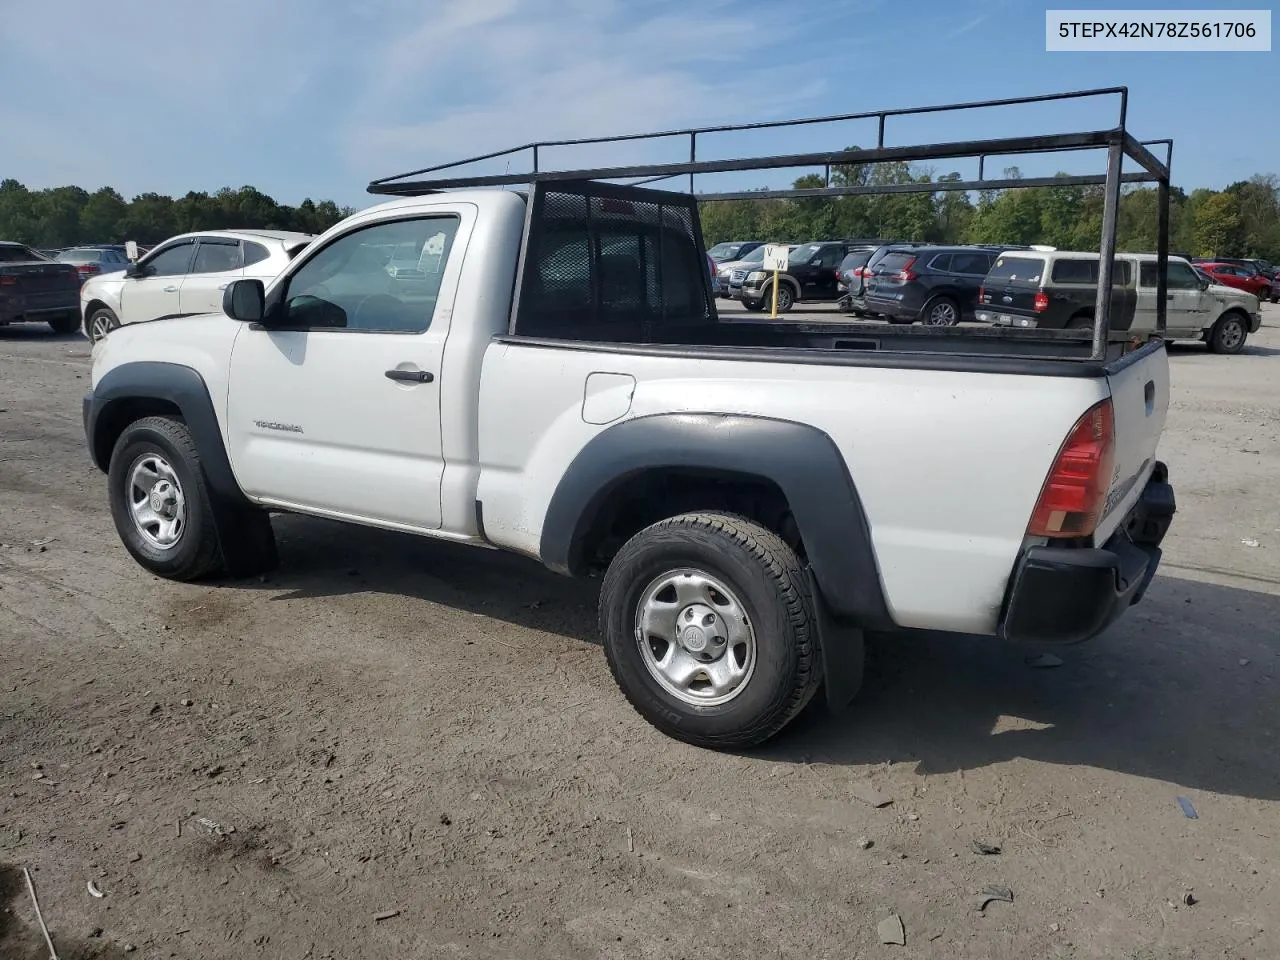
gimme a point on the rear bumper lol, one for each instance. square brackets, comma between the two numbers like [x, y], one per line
[1066, 596]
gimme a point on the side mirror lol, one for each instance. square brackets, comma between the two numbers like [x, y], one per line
[244, 300]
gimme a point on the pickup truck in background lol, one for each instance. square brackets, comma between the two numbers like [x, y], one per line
[35, 289]
[559, 385]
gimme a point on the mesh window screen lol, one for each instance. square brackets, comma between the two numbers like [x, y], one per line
[613, 264]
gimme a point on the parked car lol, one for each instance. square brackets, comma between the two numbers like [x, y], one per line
[730, 250]
[94, 259]
[857, 281]
[36, 289]
[748, 522]
[1059, 289]
[715, 279]
[810, 275]
[1264, 267]
[936, 285]
[1239, 276]
[183, 276]
[732, 273]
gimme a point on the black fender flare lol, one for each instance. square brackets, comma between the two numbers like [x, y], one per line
[174, 383]
[803, 461]
[244, 530]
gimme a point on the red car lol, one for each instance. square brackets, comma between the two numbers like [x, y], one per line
[1242, 278]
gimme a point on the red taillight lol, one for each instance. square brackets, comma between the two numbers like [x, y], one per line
[1041, 301]
[1075, 492]
[906, 275]
[8, 280]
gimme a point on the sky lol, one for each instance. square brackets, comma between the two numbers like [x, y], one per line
[317, 97]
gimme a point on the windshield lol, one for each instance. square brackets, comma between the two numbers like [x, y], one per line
[804, 253]
[80, 256]
[724, 251]
[1017, 268]
[17, 254]
[755, 256]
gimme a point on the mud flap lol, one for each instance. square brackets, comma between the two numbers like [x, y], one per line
[247, 541]
[843, 650]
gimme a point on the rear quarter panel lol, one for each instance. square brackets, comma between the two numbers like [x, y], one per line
[948, 465]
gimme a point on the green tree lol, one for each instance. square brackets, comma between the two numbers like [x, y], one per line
[1219, 230]
[103, 217]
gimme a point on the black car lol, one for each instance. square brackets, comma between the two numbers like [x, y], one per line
[810, 275]
[933, 284]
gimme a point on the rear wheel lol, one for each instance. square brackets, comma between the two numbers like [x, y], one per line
[101, 322]
[1264, 294]
[68, 323]
[1081, 321]
[1228, 334]
[940, 312]
[709, 629]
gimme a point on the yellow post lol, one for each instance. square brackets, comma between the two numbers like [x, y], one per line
[774, 314]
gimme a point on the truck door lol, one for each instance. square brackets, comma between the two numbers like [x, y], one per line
[334, 401]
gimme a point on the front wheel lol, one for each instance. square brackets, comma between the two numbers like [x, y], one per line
[709, 629]
[159, 500]
[786, 298]
[1228, 334]
[755, 306]
[101, 322]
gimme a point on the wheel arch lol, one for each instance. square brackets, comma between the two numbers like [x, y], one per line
[750, 454]
[149, 388]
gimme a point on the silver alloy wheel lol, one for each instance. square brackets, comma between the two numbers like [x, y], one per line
[695, 637]
[100, 326]
[156, 502]
[1232, 333]
[786, 299]
[942, 314]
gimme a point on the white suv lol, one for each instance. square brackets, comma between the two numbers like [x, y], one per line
[184, 276]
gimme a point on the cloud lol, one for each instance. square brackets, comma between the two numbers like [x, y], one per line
[481, 75]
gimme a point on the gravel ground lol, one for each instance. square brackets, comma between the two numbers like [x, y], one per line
[390, 725]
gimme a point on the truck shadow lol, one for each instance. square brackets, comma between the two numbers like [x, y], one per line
[1185, 688]
[319, 558]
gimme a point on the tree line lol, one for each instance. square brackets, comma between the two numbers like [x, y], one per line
[1242, 220]
[65, 216]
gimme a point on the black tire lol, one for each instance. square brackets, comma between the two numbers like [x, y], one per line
[767, 580]
[946, 307]
[101, 322]
[1081, 321]
[755, 306]
[1229, 334]
[1264, 294]
[786, 298]
[68, 323]
[195, 553]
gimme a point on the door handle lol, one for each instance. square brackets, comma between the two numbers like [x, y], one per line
[410, 376]
[170, 289]
[1168, 296]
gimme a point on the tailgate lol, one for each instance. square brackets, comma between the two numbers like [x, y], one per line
[1139, 385]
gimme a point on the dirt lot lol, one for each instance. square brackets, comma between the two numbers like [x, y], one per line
[389, 724]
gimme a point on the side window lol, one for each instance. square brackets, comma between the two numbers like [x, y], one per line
[1180, 277]
[942, 262]
[384, 278]
[254, 253]
[831, 257]
[1075, 271]
[213, 256]
[171, 261]
[973, 264]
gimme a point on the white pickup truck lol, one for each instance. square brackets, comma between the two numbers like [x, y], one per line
[550, 377]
